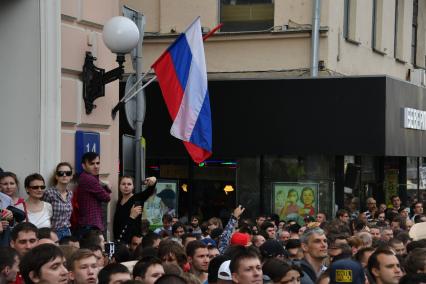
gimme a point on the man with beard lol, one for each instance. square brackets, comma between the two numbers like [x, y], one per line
[195, 225]
[198, 258]
[314, 246]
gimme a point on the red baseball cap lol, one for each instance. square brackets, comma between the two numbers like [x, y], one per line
[240, 239]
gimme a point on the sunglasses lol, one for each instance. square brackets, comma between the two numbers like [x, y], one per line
[38, 187]
[64, 173]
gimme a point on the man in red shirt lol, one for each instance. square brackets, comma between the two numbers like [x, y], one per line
[91, 194]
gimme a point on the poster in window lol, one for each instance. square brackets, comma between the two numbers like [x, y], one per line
[163, 201]
[294, 201]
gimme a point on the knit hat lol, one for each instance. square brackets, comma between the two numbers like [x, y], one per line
[239, 239]
[271, 248]
[347, 271]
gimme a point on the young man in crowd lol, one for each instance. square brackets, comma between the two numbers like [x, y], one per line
[375, 233]
[114, 273]
[24, 238]
[417, 209]
[343, 215]
[178, 230]
[386, 234]
[246, 267]
[151, 240]
[9, 264]
[315, 250]
[195, 225]
[269, 231]
[167, 226]
[321, 217]
[198, 258]
[83, 267]
[90, 195]
[44, 264]
[148, 270]
[135, 240]
[384, 267]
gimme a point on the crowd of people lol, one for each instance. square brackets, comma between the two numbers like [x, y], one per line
[56, 235]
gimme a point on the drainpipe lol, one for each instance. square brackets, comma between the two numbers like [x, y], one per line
[315, 37]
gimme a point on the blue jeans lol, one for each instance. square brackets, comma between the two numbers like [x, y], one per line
[63, 232]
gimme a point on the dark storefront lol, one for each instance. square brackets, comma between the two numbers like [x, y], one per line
[346, 135]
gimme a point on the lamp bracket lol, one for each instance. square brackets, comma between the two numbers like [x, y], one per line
[95, 79]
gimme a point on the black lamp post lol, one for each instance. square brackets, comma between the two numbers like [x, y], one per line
[120, 35]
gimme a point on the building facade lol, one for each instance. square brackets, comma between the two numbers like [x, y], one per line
[44, 44]
[269, 40]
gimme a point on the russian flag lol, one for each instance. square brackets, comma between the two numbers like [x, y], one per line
[182, 75]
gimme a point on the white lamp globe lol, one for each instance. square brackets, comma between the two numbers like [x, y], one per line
[120, 35]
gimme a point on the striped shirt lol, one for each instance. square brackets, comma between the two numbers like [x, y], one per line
[62, 209]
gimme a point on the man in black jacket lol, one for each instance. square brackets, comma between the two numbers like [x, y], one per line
[314, 246]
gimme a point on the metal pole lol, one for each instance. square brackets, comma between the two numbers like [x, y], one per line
[315, 37]
[418, 178]
[140, 110]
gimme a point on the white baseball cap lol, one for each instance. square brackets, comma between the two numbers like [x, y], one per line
[224, 272]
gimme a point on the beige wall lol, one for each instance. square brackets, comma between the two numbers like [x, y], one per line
[82, 22]
[283, 51]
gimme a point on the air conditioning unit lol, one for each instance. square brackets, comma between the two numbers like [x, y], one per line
[418, 77]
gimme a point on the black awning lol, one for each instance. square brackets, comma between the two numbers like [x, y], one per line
[335, 116]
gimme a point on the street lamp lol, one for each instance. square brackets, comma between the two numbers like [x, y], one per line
[120, 35]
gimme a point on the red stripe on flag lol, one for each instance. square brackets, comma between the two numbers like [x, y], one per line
[197, 154]
[169, 83]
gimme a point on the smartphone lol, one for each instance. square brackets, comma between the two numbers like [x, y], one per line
[109, 249]
[138, 203]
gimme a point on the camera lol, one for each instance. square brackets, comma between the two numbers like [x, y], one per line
[109, 249]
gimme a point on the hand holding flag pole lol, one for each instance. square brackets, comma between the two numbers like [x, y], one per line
[128, 97]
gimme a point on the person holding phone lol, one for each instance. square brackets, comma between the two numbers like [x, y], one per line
[129, 207]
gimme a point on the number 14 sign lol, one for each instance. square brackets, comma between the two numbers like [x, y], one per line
[85, 142]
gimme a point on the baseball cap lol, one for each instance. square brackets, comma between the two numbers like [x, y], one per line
[209, 242]
[271, 248]
[239, 239]
[347, 271]
[224, 272]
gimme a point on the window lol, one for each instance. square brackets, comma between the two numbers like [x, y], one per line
[246, 15]
[414, 32]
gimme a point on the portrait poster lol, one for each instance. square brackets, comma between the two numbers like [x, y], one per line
[295, 201]
[163, 201]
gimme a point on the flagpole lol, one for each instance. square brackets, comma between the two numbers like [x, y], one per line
[125, 100]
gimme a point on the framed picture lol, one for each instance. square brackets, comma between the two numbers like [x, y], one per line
[295, 201]
[164, 201]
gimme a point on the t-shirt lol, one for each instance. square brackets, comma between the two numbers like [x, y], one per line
[42, 218]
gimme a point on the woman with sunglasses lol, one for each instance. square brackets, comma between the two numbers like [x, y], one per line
[60, 196]
[38, 212]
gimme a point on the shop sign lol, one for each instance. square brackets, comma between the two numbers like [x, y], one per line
[414, 119]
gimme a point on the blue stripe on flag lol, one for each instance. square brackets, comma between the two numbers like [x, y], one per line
[182, 58]
[202, 132]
